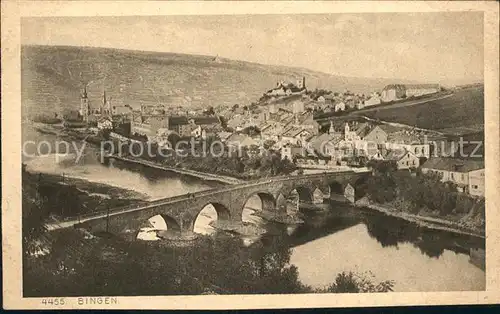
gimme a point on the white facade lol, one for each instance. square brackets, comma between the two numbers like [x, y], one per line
[340, 107]
[476, 182]
[105, 124]
[419, 150]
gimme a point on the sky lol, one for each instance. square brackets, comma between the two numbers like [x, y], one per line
[443, 47]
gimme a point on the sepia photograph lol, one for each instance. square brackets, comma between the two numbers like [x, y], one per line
[251, 154]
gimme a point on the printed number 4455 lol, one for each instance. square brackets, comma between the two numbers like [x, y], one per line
[52, 301]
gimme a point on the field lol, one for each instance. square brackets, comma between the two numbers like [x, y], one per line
[461, 113]
[52, 77]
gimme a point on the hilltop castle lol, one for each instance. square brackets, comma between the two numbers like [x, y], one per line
[286, 89]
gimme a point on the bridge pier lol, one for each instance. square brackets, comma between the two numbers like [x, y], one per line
[180, 212]
[350, 193]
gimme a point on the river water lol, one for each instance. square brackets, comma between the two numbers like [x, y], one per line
[342, 238]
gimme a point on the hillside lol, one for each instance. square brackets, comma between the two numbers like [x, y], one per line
[461, 113]
[52, 77]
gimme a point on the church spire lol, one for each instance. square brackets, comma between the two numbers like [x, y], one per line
[84, 92]
[332, 129]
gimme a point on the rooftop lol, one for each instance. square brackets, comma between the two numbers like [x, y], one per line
[453, 164]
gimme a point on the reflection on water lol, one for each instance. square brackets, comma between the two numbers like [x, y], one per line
[148, 234]
[115, 174]
[320, 260]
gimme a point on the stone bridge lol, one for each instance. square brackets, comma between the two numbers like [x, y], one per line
[180, 212]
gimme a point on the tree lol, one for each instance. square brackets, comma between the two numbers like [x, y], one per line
[209, 111]
[350, 282]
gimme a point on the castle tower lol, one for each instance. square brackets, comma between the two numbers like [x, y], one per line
[301, 83]
[84, 105]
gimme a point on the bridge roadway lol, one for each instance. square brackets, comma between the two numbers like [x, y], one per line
[180, 212]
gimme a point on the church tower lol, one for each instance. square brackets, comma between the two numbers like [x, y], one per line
[347, 132]
[106, 105]
[84, 105]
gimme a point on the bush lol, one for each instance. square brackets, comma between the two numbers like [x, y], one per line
[350, 282]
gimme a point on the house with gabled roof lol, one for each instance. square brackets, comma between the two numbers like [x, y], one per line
[404, 159]
[467, 174]
[297, 135]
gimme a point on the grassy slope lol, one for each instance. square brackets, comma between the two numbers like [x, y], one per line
[53, 76]
[464, 110]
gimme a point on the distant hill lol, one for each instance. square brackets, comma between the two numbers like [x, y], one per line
[52, 77]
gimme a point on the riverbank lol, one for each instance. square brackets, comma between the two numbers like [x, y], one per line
[423, 221]
[65, 197]
[183, 171]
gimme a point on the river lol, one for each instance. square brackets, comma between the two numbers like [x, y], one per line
[342, 238]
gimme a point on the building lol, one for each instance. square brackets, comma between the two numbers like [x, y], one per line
[296, 135]
[292, 151]
[301, 84]
[364, 132]
[393, 92]
[199, 132]
[90, 113]
[476, 182]
[418, 149]
[372, 101]
[124, 110]
[403, 158]
[240, 140]
[467, 174]
[105, 123]
[298, 106]
[153, 109]
[306, 121]
[340, 106]
[421, 89]
[319, 143]
[166, 138]
[148, 125]
[338, 148]
[282, 88]
[399, 91]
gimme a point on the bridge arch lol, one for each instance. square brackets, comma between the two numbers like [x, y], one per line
[223, 213]
[359, 186]
[163, 222]
[208, 213]
[336, 187]
[267, 200]
[304, 193]
[170, 222]
[255, 203]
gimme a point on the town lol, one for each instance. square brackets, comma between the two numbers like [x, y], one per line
[285, 121]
